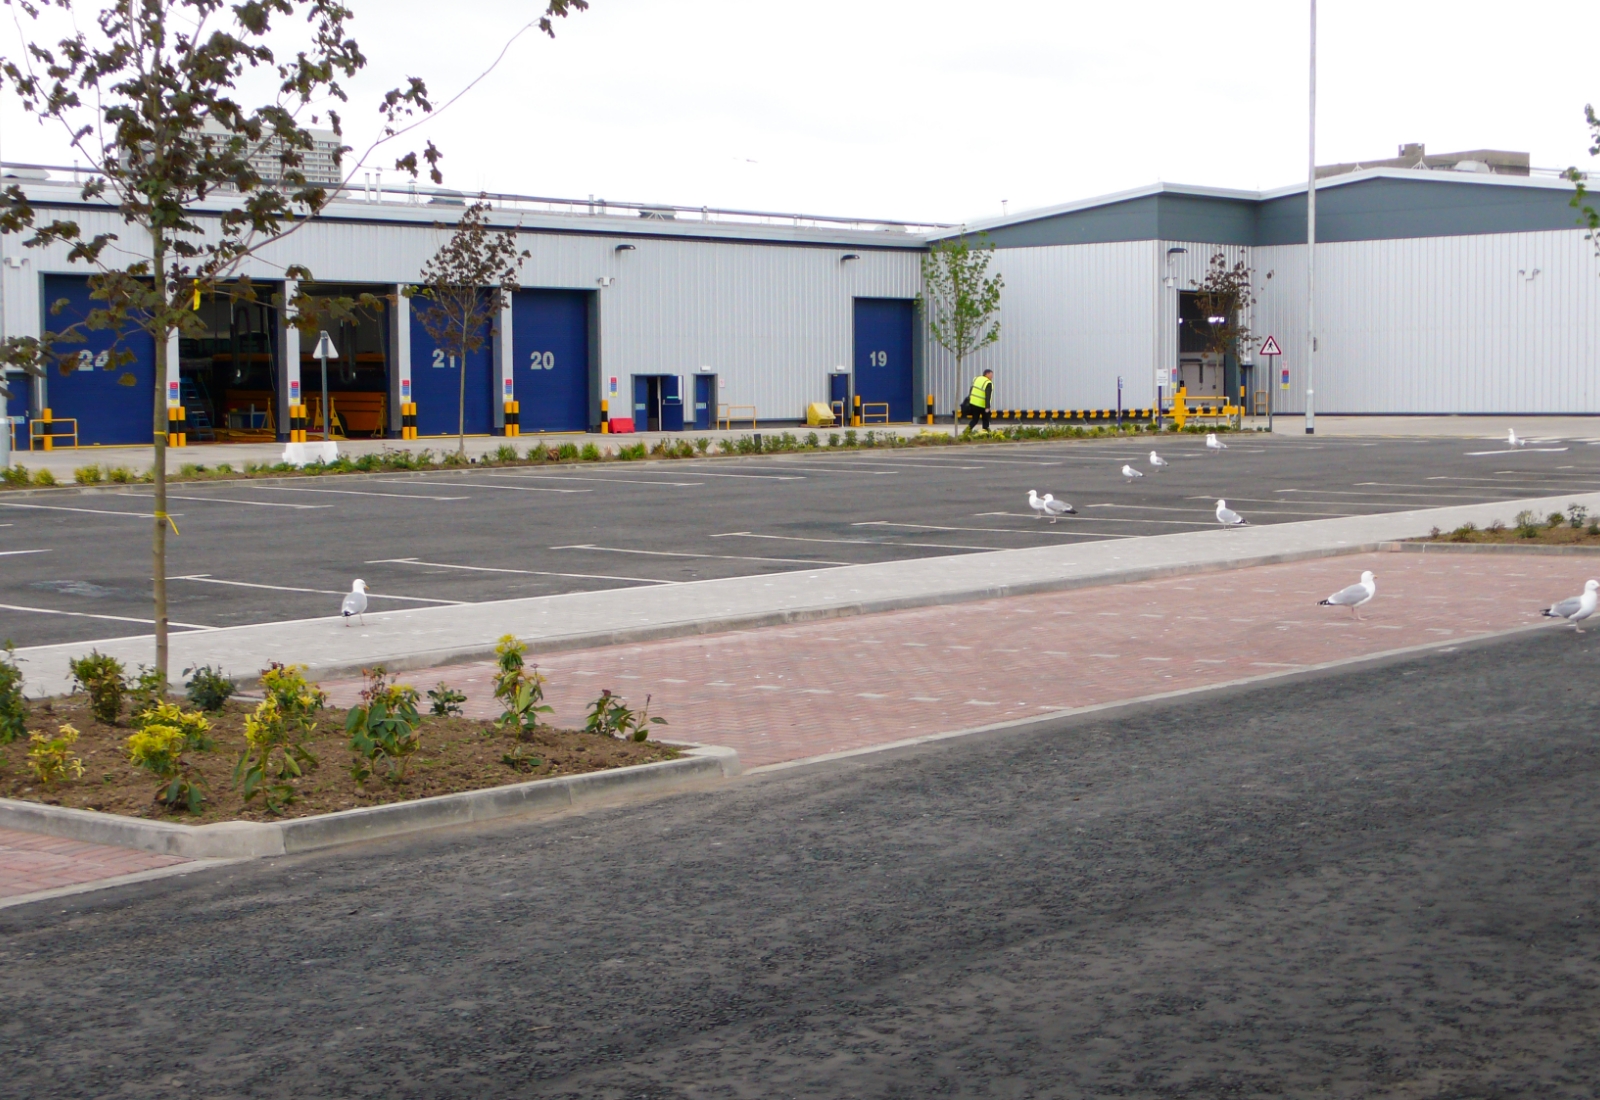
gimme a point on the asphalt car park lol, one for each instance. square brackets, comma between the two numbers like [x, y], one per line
[74, 564]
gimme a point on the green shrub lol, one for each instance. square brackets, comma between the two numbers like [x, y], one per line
[89, 475]
[383, 728]
[610, 716]
[871, 439]
[368, 462]
[519, 688]
[1464, 533]
[121, 475]
[105, 681]
[812, 440]
[15, 475]
[224, 467]
[159, 749]
[833, 439]
[445, 701]
[631, 453]
[507, 452]
[52, 758]
[146, 690]
[850, 437]
[1577, 515]
[591, 453]
[683, 449]
[568, 452]
[455, 458]
[1527, 524]
[13, 708]
[208, 688]
[276, 735]
[44, 477]
[191, 469]
[702, 445]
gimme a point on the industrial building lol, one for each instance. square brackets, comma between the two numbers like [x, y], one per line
[1459, 284]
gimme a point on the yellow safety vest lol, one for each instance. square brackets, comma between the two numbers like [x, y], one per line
[979, 397]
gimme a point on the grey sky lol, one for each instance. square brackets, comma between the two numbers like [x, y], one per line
[939, 109]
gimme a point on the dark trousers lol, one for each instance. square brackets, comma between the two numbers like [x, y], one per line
[977, 414]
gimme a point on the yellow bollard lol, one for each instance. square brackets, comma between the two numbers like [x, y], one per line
[605, 416]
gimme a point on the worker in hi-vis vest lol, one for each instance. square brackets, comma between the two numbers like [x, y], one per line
[980, 400]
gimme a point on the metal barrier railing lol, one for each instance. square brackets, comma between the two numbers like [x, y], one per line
[727, 414]
[48, 437]
[875, 412]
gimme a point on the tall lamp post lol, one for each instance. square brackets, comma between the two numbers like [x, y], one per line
[1311, 241]
[325, 351]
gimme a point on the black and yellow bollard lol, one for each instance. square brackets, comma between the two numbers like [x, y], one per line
[605, 416]
[408, 420]
[175, 426]
[855, 416]
[47, 418]
[513, 415]
[930, 408]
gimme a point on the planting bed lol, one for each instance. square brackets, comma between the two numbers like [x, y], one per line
[1540, 532]
[457, 754]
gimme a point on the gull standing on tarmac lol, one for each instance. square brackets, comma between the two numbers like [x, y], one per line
[1213, 443]
[1228, 517]
[1036, 502]
[1130, 474]
[1158, 462]
[1577, 608]
[1055, 508]
[355, 603]
[1354, 597]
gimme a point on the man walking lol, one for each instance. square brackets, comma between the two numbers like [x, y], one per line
[980, 400]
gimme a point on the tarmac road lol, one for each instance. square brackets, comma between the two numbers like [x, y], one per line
[74, 566]
[1371, 883]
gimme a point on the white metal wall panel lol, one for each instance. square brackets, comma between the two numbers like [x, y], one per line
[1442, 324]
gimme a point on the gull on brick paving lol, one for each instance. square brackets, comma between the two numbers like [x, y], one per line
[1353, 597]
[1576, 608]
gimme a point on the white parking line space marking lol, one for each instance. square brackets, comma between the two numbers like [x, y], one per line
[680, 554]
[354, 493]
[87, 511]
[1043, 529]
[615, 480]
[1519, 451]
[87, 615]
[486, 485]
[856, 542]
[521, 572]
[250, 503]
[206, 578]
[758, 477]
[14, 553]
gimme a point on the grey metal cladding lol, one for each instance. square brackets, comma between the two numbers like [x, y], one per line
[1391, 209]
[1165, 217]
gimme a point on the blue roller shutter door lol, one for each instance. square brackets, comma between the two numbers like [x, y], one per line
[436, 382]
[112, 404]
[883, 339]
[550, 357]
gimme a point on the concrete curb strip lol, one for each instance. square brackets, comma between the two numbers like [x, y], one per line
[702, 765]
[1492, 548]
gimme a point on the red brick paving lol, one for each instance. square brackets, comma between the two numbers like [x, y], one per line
[785, 693]
[30, 862]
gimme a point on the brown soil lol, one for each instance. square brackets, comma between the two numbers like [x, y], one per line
[457, 754]
[1542, 535]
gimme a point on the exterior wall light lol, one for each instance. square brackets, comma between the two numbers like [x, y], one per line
[626, 248]
[848, 256]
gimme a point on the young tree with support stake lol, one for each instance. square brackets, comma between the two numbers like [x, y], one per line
[150, 97]
[1222, 296]
[464, 287]
[960, 298]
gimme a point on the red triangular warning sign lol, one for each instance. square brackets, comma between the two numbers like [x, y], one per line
[1271, 347]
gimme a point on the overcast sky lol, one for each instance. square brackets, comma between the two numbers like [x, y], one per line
[941, 109]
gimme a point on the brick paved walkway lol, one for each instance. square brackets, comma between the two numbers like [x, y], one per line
[786, 693]
[30, 862]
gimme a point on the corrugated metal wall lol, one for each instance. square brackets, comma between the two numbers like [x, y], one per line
[1441, 324]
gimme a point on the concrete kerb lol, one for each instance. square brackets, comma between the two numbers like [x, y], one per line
[702, 766]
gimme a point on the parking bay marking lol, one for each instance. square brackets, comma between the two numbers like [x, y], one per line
[615, 480]
[1051, 530]
[13, 553]
[356, 493]
[523, 572]
[857, 542]
[251, 503]
[87, 615]
[207, 578]
[88, 511]
[677, 554]
[486, 485]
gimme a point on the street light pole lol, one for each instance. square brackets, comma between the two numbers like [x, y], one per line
[325, 350]
[1311, 241]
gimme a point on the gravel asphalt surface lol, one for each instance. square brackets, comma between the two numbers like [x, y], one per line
[1380, 881]
[74, 566]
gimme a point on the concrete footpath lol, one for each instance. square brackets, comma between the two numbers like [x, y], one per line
[422, 638]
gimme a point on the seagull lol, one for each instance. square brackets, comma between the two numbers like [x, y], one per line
[1036, 502]
[1130, 474]
[1058, 507]
[1213, 443]
[1157, 461]
[355, 603]
[1578, 608]
[1512, 440]
[1353, 597]
[1228, 517]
